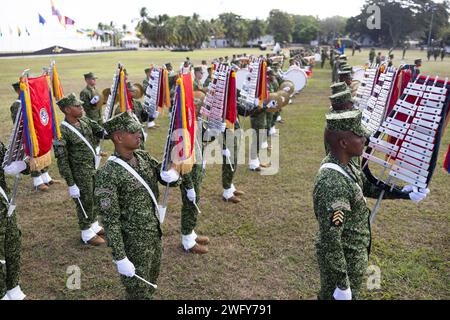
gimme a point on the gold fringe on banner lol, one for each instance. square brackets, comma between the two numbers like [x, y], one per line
[37, 164]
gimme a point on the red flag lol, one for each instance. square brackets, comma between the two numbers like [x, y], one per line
[231, 114]
[69, 21]
[41, 114]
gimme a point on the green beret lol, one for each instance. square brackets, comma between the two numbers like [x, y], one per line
[125, 121]
[338, 87]
[147, 70]
[16, 85]
[89, 75]
[347, 121]
[69, 100]
[341, 96]
[198, 69]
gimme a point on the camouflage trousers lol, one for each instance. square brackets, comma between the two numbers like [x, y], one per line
[259, 125]
[10, 247]
[356, 261]
[227, 172]
[35, 174]
[144, 250]
[85, 182]
[188, 210]
[274, 118]
[269, 120]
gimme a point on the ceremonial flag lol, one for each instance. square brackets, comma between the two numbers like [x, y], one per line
[447, 160]
[38, 115]
[231, 111]
[182, 154]
[69, 21]
[55, 83]
[124, 95]
[41, 19]
[262, 90]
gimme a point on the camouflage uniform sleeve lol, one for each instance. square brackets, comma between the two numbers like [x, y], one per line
[331, 208]
[97, 129]
[186, 180]
[107, 202]
[86, 98]
[62, 159]
[372, 190]
[139, 111]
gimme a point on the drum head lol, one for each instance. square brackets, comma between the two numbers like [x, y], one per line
[241, 77]
[358, 73]
[298, 77]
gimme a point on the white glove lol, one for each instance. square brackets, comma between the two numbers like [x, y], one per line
[223, 126]
[256, 102]
[191, 194]
[226, 153]
[126, 267]
[74, 191]
[342, 294]
[155, 115]
[95, 99]
[272, 104]
[286, 89]
[15, 168]
[416, 194]
[170, 176]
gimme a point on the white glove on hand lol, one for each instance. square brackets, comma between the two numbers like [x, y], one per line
[74, 191]
[286, 89]
[191, 194]
[416, 194]
[223, 126]
[170, 176]
[226, 153]
[95, 99]
[256, 102]
[272, 104]
[155, 115]
[15, 168]
[125, 267]
[342, 294]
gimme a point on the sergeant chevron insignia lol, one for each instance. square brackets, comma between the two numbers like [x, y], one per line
[337, 218]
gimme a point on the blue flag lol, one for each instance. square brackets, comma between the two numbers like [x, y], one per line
[41, 19]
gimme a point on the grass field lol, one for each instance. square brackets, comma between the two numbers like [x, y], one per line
[262, 248]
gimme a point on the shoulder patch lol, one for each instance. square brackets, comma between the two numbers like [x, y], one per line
[340, 205]
[337, 219]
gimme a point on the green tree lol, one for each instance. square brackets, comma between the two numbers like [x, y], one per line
[256, 29]
[306, 28]
[233, 29]
[280, 25]
[332, 27]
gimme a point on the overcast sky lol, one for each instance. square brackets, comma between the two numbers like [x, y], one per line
[87, 13]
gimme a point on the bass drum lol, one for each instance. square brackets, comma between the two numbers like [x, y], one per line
[298, 78]
[241, 77]
[358, 73]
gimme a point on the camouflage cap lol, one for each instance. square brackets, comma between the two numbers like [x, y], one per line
[344, 73]
[347, 121]
[168, 65]
[89, 75]
[122, 122]
[131, 87]
[347, 67]
[338, 87]
[198, 69]
[418, 61]
[147, 70]
[342, 96]
[69, 100]
[342, 57]
[16, 85]
[342, 63]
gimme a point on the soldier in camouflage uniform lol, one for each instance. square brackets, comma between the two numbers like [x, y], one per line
[146, 81]
[198, 75]
[77, 164]
[335, 69]
[10, 237]
[259, 125]
[230, 153]
[129, 213]
[272, 86]
[41, 179]
[90, 97]
[208, 79]
[344, 237]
